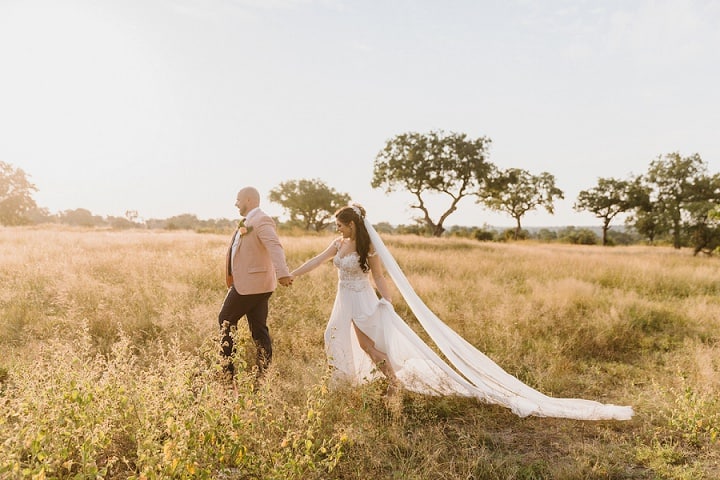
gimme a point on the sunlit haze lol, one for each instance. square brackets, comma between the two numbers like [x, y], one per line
[170, 106]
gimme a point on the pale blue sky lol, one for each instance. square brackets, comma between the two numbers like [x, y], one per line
[169, 106]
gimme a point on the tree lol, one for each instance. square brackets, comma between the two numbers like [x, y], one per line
[120, 223]
[16, 200]
[606, 200]
[546, 235]
[672, 179]
[515, 191]
[577, 236]
[185, 221]
[645, 218]
[38, 215]
[310, 203]
[81, 217]
[450, 164]
[705, 235]
[703, 215]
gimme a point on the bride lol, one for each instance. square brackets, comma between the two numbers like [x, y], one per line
[364, 335]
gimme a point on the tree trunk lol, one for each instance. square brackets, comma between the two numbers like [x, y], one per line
[605, 228]
[676, 235]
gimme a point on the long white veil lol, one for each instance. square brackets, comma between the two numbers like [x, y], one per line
[488, 381]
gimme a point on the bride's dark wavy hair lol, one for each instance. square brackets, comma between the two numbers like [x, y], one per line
[362, 239]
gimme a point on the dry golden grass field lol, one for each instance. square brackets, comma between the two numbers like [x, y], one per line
[108, 363]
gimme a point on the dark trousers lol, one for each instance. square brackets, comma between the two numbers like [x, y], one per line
[255, 307]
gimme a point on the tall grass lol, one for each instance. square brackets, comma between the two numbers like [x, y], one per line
[108, 363]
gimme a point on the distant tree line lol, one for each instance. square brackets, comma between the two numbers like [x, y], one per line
[81, 217]
[674, 202]
[569, 234]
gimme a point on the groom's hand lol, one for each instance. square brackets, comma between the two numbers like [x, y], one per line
[285, 281]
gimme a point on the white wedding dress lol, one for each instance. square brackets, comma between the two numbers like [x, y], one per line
[417, 367]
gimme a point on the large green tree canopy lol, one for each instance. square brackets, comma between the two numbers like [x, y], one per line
[674, 182]
[606, 200]
[451, 164]
[516, 191]
[310, 203]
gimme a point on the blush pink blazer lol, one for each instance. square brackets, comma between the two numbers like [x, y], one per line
[259, 260]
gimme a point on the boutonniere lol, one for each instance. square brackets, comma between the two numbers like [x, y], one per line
[242, 229]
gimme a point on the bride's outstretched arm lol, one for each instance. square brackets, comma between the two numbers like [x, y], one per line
[316, 261]
[378, 277]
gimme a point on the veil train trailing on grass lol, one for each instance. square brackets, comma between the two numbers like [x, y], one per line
[417, 367]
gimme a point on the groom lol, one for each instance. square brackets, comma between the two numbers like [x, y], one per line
[255, 264]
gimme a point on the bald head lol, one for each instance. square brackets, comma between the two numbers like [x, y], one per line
[247, 199]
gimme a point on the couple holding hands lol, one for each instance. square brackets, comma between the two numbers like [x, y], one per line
[365, 338]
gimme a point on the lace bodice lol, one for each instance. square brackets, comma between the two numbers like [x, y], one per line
[350, 275]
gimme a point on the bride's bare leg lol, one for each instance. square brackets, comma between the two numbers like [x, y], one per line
[380, 359]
